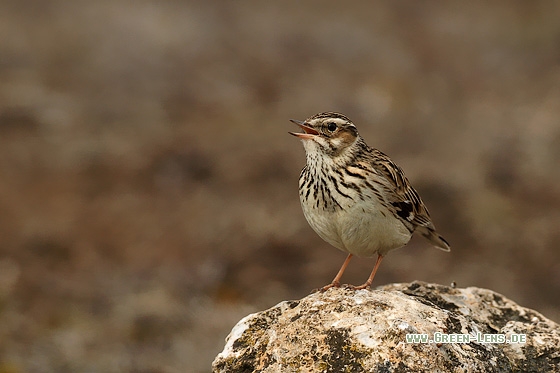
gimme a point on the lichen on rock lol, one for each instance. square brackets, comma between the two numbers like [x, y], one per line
[342, 330]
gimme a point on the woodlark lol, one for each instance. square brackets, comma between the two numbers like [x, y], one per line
[355, 197]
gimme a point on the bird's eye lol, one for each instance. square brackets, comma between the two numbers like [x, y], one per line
[332, 126]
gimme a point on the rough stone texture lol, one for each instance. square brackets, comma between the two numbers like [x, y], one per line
[364, 331]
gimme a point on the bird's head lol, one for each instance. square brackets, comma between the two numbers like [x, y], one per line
[328, 133]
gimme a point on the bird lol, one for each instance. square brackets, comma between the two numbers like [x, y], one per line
[355, 197]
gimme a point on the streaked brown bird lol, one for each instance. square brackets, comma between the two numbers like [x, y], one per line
[355, 197]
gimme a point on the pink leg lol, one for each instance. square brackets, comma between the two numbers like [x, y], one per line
[336, 282]
[367, 284]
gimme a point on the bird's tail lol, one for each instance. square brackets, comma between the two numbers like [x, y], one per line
[435, 238]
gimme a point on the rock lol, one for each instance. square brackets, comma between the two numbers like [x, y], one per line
[343, 330]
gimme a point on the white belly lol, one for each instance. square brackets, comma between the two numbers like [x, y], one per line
[362, 229]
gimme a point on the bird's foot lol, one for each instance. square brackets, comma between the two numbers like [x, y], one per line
[363, 286]
[334, 284]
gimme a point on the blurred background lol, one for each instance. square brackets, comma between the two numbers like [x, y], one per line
[148, 194]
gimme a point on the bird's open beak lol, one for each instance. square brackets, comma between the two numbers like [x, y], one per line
[308, 133]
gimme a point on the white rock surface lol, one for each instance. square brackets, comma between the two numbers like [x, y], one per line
[343, 330]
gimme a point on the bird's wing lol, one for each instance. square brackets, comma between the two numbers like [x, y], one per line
[399, 194]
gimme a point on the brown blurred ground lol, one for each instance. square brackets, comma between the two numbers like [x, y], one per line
[149, 187]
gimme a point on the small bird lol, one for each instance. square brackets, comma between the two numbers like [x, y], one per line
[355, 197]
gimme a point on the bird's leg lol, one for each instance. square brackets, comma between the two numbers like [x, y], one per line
[336, 282]
[367, 284]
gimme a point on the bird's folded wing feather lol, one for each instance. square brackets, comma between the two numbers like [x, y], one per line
[399, 193]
